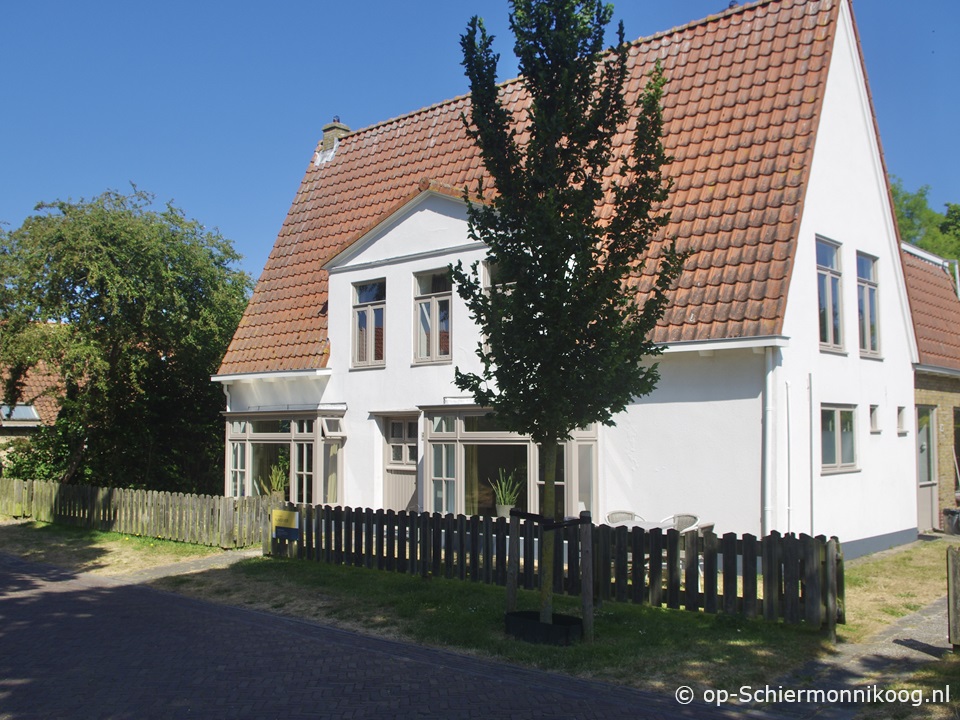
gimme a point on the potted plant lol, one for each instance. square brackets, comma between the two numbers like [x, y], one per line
[506, 490]
[278, 480]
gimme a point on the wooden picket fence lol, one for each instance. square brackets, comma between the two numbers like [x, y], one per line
[225, 522]
[793, 578]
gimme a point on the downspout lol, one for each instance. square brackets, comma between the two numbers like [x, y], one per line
[813, 459]
[789, 463]
[769, 434]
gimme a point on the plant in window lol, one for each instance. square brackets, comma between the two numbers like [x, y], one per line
[568, 326]
[278, 480]
[506, 490]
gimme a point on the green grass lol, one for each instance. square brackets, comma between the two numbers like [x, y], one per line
[634, 644]
[67, 535]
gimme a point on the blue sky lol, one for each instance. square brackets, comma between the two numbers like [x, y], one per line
[218, 105]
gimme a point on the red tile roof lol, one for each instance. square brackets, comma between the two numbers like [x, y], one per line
[935, 308]
[41, 389]
[741, 107]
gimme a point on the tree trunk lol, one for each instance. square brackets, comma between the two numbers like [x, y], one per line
[549, 511]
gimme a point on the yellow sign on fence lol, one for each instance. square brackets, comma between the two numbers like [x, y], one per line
[286, 524]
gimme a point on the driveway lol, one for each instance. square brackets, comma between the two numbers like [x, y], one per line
[80, 646]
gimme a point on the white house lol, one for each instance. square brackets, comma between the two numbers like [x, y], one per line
[786, 398]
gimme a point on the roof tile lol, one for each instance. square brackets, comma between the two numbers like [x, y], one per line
[740, 110]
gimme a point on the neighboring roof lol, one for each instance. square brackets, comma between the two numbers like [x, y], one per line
[935, 308]
[741, 106]
[40, 391]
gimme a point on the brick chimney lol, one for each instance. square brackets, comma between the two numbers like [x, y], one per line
[331, 133]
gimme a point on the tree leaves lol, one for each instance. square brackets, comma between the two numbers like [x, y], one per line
[132, 308]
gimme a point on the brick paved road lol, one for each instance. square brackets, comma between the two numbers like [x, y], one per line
[83, 647]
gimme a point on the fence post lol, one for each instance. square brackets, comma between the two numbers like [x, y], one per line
[953, 596]
[830, 590]
[227, 522]
[586, 570]
[513, 563]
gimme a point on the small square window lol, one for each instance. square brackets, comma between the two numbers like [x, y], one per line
[332, 427]
[902, 420]
[443, 424]
[874, 418]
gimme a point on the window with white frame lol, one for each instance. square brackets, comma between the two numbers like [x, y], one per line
[402, 441]
[432, 302]
[838, 442]
[828, 291]
[468, 451]
[268, 453]
[875, 418]
[867, 305]
[369, 318]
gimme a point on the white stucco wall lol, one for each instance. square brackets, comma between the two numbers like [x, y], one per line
[846, 202]
[693, 445]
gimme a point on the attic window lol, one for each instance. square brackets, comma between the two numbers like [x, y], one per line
[19, 416]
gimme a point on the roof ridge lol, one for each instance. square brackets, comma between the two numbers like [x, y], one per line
[632, 43]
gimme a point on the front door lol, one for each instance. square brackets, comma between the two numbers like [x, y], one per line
[927, 495]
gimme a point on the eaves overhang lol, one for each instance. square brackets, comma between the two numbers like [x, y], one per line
[935, 370]
[723, 344]
[271, 376]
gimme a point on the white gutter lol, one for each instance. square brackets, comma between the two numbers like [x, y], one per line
[268, 376]
[706, 346]
[934, 370]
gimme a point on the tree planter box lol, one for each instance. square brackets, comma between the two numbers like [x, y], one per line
[526, 625]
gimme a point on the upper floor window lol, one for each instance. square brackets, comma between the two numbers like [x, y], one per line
[369, 315]
[867, 305]
[828, 291]
[433, 316]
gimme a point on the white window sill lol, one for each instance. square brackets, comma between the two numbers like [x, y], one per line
[824, 472]
[368, 367]
[871, 356]
[425, 363]
[832, 350]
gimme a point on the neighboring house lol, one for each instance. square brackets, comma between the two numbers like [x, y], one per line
[931, 285]
[779, 395]
[38, 407]
[38, 404]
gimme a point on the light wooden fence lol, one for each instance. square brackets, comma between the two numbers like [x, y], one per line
[789, 577]
[200, 519]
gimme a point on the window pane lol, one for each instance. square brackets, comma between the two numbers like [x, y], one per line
[396, 430]
[433, 283]
[412, 453]
[828, 437]
[848, 454]
[822, 294]
[861, 309]
[361, 354]
[873, 325]
[483, 423]
[835, 309]
[438, 496]
[826, 255]
[330, 481]
[443, 327]
[372, 292]
[483, 465]
[585, 472]
[423, 330]
[443, 424]
[865, 267]
[396, 453]
[378, 334]
[411, 430]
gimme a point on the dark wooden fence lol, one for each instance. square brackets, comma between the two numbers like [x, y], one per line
[796, 578]
[200, 519]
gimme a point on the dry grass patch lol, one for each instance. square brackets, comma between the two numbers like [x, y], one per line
[884, 587]
[81, 550]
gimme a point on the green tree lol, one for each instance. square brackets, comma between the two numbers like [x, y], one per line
[923, 226]
[132, 309]
[564, 326]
